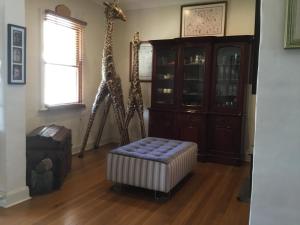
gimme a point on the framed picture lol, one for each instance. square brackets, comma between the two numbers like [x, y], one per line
[292, 24]
[16, 54]
[145, 61]
[203, 20]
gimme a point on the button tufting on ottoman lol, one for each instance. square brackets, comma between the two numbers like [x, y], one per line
[152, 163]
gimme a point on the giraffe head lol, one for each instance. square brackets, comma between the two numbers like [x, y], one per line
[136, 39]
[113, 11]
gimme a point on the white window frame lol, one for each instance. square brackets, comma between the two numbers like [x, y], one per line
[79, 103]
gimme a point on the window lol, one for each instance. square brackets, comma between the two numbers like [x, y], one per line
[62, 50]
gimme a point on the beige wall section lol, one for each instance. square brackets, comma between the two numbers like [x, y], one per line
[93, 45]
[240, 17]
[164, 22]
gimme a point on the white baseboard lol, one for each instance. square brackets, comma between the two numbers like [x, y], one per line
[247, 158]
[14, 197]
[90, 145]
[249, 151]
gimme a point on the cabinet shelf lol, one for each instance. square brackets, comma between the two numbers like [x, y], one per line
[194, 64]
[162, 93]
[192, 94]
[163, 79]
[192, 104]
[166, 83]
[234, 82]
[198, 80]
[161, 102]
[166, 65]
[229, 65]
[161, 88]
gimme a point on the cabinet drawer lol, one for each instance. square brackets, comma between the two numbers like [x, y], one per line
[226, 122]
[191, 127]
[190, 118]
[225, 134]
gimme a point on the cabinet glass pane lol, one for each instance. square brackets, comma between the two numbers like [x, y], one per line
[228, 76]
[193, 80]
[165, 74]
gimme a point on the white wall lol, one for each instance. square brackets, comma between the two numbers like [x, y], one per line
[276, 175]
[164, 23]
[2, 83]
[93, 44]
[12, 116]
[2, 118]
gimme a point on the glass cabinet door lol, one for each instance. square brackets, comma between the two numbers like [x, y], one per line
[193, 76]
[227, 77]
[165, 75]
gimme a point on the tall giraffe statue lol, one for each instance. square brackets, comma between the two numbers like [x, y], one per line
[135, 99]
[110, 89]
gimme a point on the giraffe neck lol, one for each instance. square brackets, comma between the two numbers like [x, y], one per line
[135, 66]
[108, 69]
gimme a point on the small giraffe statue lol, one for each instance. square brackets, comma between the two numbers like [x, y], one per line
[110, 89]
[135, 99]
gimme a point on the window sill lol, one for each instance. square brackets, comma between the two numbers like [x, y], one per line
[63, 107]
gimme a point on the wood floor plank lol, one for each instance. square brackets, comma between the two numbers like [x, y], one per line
[206, 197]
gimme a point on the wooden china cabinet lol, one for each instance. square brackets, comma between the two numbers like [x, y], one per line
[199, 93]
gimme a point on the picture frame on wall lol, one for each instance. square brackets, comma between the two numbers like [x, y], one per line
[292, 24]
[203, 19]
[16, 54]
[145, 61]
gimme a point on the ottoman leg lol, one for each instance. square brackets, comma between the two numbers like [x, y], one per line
[117, 187]
[162, 196]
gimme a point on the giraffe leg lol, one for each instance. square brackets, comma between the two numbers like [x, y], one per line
[115, 90]
[102, 121]
[141, 117]
[101, 94]
[120, 123]
[130, 112]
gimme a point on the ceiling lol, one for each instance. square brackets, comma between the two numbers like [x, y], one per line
[142, 4]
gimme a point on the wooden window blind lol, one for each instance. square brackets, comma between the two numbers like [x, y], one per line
[61, 54]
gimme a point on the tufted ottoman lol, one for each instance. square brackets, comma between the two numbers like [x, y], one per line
[152, 163]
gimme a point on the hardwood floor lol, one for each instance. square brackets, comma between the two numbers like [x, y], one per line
[206, 197]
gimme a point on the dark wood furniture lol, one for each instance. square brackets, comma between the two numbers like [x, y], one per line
[54, 142]
[199, 93]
